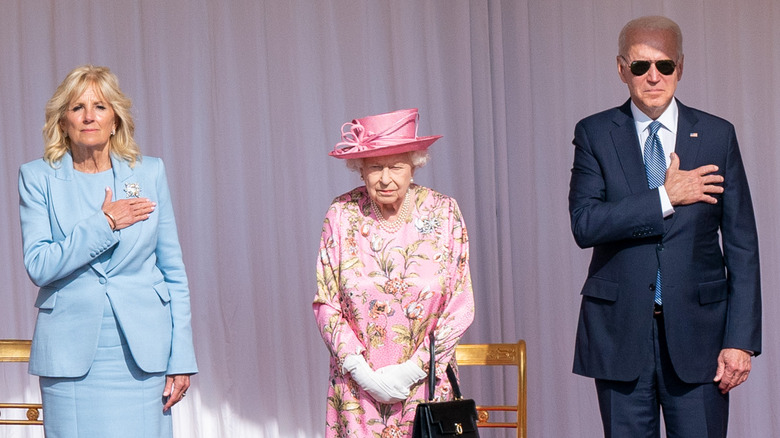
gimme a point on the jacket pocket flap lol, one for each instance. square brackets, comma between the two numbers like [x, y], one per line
[600, 288]
[47, 296]
[713, 291]
[162, 290]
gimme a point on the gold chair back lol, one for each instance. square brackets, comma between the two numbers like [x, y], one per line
[18, 350]
[499, 355]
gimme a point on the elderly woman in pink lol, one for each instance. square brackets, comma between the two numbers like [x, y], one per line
[393, 267]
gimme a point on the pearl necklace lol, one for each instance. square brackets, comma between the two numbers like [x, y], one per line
[392, 227]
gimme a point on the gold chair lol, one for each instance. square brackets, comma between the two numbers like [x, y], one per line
[17, 350]
[506, 355]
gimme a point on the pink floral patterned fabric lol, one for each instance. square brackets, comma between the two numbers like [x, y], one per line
[381, 294]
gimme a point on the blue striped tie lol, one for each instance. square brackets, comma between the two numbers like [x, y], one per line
[655, 166]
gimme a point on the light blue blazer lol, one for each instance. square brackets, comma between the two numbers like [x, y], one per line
[144, 280]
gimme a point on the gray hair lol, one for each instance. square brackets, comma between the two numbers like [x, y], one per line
[652, 22]
[418, 159]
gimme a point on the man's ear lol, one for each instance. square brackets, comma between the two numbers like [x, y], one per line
[679, 70]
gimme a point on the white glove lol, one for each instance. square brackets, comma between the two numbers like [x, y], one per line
[402, 375]
[373, 383]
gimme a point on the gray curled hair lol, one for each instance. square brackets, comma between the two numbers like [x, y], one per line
[418, 159]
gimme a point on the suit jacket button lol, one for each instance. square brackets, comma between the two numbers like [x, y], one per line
[652, 287]
[102, 280]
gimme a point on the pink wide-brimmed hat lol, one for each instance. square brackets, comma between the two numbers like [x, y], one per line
[383, 134]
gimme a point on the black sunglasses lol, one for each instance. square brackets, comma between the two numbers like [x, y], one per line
[664, 66]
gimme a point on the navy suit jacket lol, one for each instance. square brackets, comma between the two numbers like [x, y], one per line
[711, 293]
[144, 279]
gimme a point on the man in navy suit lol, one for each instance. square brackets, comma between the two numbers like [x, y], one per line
[692, 239]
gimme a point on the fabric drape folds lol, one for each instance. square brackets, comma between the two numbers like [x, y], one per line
[243, 100]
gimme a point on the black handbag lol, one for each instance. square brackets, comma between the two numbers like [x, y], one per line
[457, 418]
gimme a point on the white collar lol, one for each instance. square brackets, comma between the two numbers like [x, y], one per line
[668, 118]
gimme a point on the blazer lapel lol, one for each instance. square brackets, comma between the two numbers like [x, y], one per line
[123, 174]
[687, 147]
[64, 196]
[626, 144]
[688, 143]
[65, 202]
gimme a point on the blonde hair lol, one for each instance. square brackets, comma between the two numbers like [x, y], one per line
[651, 22]
[121, 145]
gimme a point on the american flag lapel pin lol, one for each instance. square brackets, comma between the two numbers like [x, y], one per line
[694, 134]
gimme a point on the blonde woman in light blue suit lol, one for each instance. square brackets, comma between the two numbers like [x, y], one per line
[113, 339]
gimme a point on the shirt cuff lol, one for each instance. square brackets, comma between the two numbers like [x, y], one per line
[666, 204]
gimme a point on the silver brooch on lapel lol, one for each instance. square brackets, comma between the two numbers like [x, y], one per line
[132, 190]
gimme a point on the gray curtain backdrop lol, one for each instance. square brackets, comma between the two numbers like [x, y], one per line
[243, 100]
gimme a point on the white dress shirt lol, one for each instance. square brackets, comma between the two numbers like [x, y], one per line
[668, 136]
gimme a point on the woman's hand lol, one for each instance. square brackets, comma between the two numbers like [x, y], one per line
[375, 384]
[125, 212]
[175, 389]
[402, 375]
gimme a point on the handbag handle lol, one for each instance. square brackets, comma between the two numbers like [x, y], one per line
[432, 374]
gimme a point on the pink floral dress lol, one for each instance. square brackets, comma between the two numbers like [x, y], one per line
[380, 294]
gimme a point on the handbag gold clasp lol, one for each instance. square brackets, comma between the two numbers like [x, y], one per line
[458, 429]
